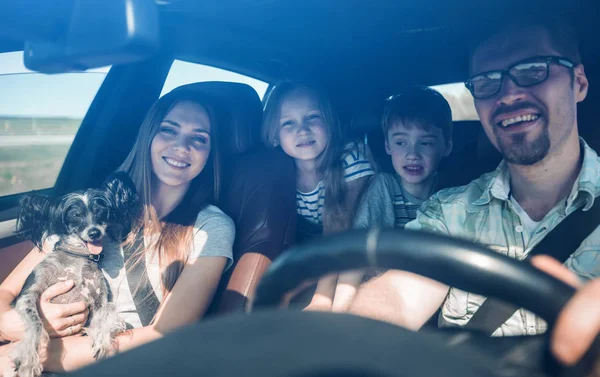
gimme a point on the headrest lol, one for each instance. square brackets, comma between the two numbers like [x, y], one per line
[367, 119]
[238, 110]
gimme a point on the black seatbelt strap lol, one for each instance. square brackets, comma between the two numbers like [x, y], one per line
[560, 243]
[144, 297]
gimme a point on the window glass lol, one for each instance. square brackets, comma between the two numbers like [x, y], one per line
[460, 100]
[39, 116]
[182, 73]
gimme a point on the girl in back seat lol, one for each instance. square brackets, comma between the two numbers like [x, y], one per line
[330, 176]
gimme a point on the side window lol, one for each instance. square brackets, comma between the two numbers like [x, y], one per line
[182, 73]
[39, 117]
[460, 99]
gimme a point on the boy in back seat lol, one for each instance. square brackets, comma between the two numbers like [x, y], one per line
[417, 127]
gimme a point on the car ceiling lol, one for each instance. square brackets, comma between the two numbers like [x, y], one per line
[351, 47]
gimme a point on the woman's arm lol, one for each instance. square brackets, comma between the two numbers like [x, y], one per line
[11, 326]
[186, 303]
[57, 318]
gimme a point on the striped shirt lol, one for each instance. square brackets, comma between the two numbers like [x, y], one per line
[309, 205]
[386, 204]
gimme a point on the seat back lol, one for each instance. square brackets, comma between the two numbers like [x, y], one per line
[257, 191]
[260, 197]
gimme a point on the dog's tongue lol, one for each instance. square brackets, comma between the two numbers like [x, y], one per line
[94, 247]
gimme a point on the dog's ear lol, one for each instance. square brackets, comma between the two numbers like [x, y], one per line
[32, 218]
[125, 201]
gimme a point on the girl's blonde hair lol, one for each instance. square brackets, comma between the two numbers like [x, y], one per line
[329, 164]
[171, 238]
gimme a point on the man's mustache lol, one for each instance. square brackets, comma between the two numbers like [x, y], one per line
[506, 109]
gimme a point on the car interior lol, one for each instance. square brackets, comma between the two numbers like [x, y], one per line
[360, 54]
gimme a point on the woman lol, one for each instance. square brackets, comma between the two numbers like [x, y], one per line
[187, 241]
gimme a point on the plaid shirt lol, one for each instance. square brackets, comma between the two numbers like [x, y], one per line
[482, 212]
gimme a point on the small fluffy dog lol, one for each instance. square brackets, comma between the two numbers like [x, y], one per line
[82, 221]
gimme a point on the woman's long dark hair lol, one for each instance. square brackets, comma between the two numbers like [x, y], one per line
[172, 236]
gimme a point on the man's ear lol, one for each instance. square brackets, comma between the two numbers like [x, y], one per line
[448, 148]
[581, 83]
[387, 147]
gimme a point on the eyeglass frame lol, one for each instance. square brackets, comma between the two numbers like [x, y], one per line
[506, 72]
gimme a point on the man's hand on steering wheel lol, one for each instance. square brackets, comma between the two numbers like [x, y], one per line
[579, 322]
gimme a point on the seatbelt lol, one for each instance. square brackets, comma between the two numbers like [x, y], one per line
[144, 297]
[560, 243]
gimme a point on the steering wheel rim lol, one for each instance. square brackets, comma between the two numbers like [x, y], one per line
[456, 263]
[303, 344]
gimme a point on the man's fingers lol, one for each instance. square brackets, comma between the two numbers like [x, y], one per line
[57, 289]
[577, 325]
[74, 308]
[553, 267]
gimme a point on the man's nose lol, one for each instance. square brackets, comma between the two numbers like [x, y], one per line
[510, 92]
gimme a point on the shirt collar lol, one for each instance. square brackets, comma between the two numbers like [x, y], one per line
[587, 183]
[498, 186]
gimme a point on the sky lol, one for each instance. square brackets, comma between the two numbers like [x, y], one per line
[29, 94]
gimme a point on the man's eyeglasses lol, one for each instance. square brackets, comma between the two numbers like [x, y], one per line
[525, 73]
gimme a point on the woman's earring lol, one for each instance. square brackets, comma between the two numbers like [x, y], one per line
[275, 143]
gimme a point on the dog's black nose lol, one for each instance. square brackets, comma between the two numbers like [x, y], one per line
[94, 233]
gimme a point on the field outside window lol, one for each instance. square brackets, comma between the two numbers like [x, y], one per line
[39, 117]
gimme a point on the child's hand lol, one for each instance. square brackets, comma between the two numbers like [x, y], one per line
[323, 298]
[319, 306]
[345, 292]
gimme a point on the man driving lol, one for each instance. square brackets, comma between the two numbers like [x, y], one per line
[527, 79]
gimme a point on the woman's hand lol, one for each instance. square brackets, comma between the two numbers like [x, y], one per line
[6, 364]
[62, 319]
[579, 322]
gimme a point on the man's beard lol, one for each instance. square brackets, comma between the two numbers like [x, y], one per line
[521, 152]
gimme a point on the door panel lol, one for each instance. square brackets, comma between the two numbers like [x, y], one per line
[10, 256]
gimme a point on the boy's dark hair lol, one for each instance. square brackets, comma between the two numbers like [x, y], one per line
[421, 106]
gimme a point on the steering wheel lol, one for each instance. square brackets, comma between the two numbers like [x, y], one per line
[275, 343]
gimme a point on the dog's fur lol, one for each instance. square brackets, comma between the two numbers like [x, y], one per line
[96, 216]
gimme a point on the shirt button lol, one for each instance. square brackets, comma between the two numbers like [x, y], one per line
[519, 228]
[531, 331]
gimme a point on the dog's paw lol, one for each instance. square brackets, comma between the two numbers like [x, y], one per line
[27, 367]
[23, 372]
[100, 351]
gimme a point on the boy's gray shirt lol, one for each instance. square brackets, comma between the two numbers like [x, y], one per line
[385, 204]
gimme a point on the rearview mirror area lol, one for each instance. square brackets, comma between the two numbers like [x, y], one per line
[96, 34]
